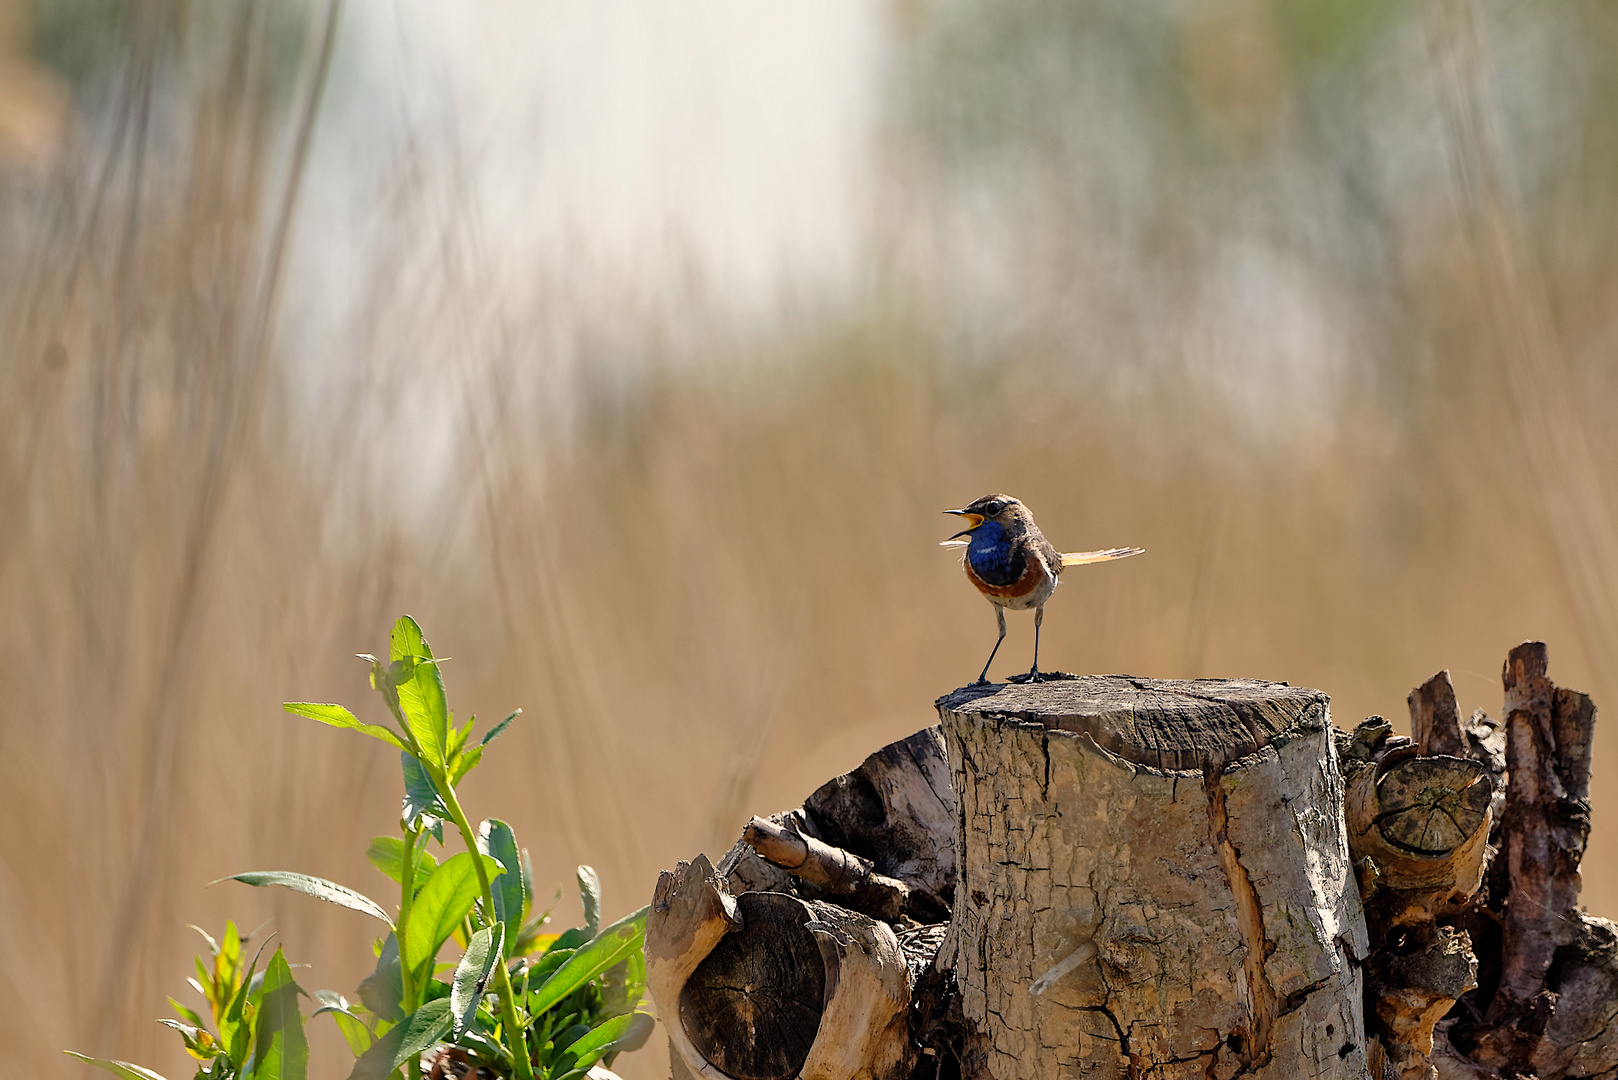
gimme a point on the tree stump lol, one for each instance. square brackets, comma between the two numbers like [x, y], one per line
[1184, 840]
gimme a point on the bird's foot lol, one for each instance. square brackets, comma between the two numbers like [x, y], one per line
[983, 680]
[1038, 676]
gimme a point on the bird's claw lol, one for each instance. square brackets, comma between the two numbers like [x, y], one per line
[1033, 676]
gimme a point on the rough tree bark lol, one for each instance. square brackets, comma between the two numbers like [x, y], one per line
[1120, 877]
[1177, 830]
[1548, 998]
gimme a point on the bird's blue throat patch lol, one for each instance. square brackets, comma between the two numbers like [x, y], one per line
[993, 556]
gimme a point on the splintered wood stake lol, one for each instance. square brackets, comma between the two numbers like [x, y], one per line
[1435, 720]
[838, 872]
[1067, 964]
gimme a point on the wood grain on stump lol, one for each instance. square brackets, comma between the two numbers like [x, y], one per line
[753, 1005]
[768, 986]
[1183, 843]
[1418, 827]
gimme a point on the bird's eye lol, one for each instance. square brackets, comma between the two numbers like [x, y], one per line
[993, 509]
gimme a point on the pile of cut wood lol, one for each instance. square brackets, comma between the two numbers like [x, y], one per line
[1118, 877]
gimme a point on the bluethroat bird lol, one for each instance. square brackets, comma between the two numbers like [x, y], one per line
[1014, 566]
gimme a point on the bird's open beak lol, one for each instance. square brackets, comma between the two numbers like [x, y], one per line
[975, 519]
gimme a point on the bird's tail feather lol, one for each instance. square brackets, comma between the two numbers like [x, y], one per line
[1079, 558]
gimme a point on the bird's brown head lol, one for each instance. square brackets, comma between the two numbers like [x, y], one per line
[999, 508]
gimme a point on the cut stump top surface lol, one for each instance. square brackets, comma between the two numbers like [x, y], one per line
[1169, 724]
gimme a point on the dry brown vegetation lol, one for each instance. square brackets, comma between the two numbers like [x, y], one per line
[720, 560]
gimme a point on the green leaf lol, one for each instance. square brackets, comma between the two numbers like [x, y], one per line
[528, 890]
[188, 1015]
[237, 1021]
[405, 640]
[472, 974]
[387, 855]
[420, 797]
[490, 1048]
[117, 1068]
[420, 689]
[499, 729]
[465, 764]
[354, 1031]
[282, 1051]
[571, 938]
[319, 888]
[384, 681]
[543, 968]
[620, 1033]
[640, 1029]
[199, 1041]
[622, 986]
[530, 938]
[441, 905]
[561, 1060]
[590, 893]
[337, 716]
[227, 963]
[424, 1027]
[496, 838]
[458, 736]
[213, 946]
[383, 989]
[612, 944]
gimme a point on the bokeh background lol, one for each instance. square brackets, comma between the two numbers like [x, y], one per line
[635, 348]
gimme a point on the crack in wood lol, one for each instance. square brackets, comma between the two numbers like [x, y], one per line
[1123, 1039]
[1249, 923]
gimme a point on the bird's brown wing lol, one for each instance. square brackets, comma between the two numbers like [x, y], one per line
[1047, 552]
[1079, 558]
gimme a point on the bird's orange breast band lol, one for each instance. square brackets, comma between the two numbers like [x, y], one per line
[1032, 575]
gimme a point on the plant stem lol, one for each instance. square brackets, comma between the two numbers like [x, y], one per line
[407, 897]
[407, 894]
[502, 978]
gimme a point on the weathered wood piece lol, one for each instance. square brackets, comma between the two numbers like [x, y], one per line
[806, 962]
[1410, 987]
[1581, 1034]
[1555, 969]
[1417, 826]
[1418, 829]
[1191, 835]
[835, 871]
[896, 813]
[767, 986]
[1547, 818]
[1435, 719]
[691, 912]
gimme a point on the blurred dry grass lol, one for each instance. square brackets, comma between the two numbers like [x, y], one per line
[700, 552]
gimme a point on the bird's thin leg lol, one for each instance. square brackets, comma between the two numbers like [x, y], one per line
[1039, 617]
[999, 613]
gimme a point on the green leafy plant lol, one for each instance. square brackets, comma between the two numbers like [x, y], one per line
[519, 1001]
[257, 1026]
